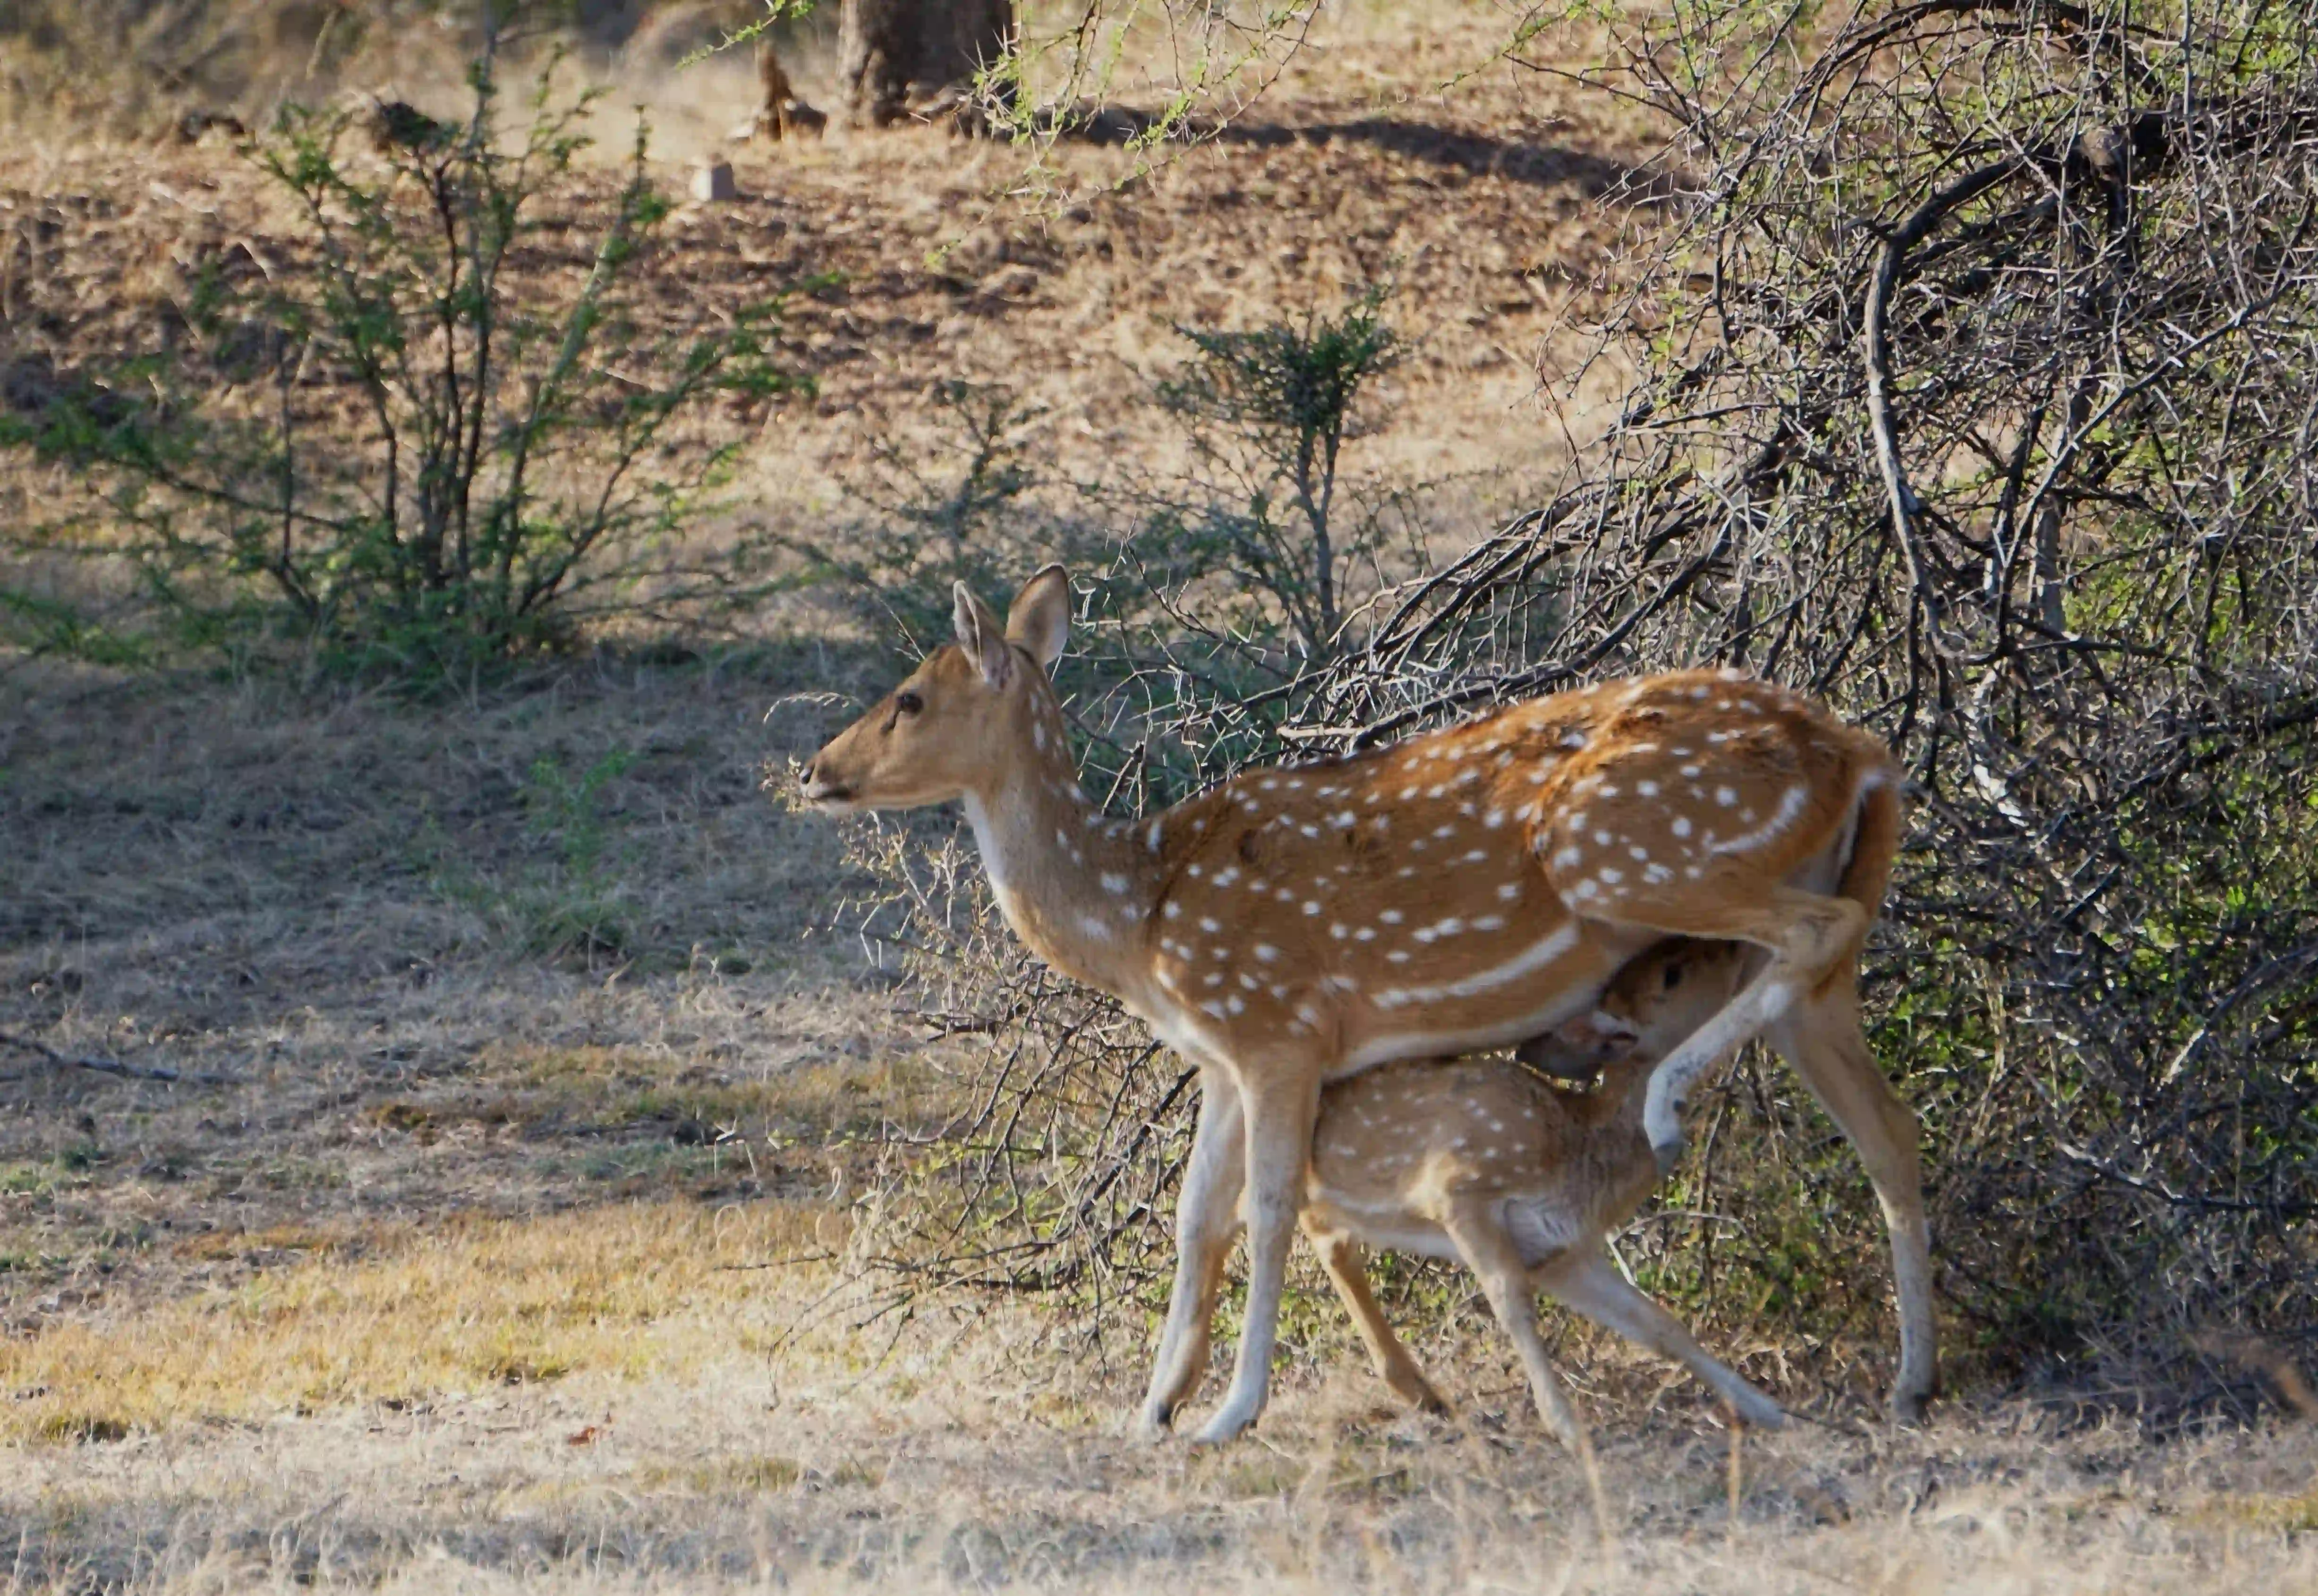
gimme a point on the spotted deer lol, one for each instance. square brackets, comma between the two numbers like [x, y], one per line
[1463, 890]
[1480, 1162]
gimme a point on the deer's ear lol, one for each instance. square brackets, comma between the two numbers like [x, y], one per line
[980, 635]
[1040, 620]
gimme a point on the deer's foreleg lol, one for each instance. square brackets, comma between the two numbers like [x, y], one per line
[1206, 1214]
[1281, 1105]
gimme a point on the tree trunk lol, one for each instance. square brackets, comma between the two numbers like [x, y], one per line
[905, 57]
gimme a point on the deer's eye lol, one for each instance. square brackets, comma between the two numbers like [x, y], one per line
[908, 703]
[1673, 976]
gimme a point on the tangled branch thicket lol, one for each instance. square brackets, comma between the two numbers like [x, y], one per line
[1978, 381]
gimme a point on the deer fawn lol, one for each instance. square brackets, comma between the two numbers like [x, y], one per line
[1463, 890]
[1481, 1162]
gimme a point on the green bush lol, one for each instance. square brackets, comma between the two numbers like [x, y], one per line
[1268, 410]
[403, 451]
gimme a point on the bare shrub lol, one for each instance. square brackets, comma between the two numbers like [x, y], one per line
[1975, 396]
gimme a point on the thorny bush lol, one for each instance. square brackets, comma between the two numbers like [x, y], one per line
[1978, 385]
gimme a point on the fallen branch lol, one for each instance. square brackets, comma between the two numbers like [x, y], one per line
[108, 1066]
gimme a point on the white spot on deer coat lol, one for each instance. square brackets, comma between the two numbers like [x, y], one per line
[1792, 803]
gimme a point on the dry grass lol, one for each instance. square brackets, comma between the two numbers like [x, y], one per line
[406, 1317]
[969, 1457]
[337, 903]
[1485, 207]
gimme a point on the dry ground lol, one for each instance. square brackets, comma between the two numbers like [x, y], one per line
[496, 1255]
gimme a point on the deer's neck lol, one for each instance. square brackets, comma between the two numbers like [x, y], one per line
[1077, 886]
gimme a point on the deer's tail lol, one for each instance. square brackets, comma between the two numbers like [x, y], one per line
[1874, 839]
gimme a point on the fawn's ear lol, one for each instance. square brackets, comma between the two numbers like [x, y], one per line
[1040, 620]
[981, 636]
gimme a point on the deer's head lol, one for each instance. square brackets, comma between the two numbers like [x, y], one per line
[954, 726]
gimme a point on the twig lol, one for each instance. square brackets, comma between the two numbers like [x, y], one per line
[775, 1263]
[107, 1066]
[1734, 1483]
[954, 1025]
[1878, 347]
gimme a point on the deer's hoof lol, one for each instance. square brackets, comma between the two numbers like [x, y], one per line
[1225, 1427]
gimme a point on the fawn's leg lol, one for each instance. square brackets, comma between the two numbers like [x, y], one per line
[1489, 1253]
[1590, 1284]
[1341, 1257]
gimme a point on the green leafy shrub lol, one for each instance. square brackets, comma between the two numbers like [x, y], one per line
[1268, 411]
[404, 452]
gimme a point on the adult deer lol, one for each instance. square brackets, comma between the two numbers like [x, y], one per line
[1461, 890]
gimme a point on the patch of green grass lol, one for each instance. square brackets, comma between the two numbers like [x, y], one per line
[25, 1180]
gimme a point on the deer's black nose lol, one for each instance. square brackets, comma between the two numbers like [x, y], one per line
[805, 776]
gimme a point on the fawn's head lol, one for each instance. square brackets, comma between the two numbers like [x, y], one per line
[1649, 1008]
[951, 727]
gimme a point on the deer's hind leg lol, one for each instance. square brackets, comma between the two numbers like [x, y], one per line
[1809, 936]
[1341, 1256]
[1822, 1039]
